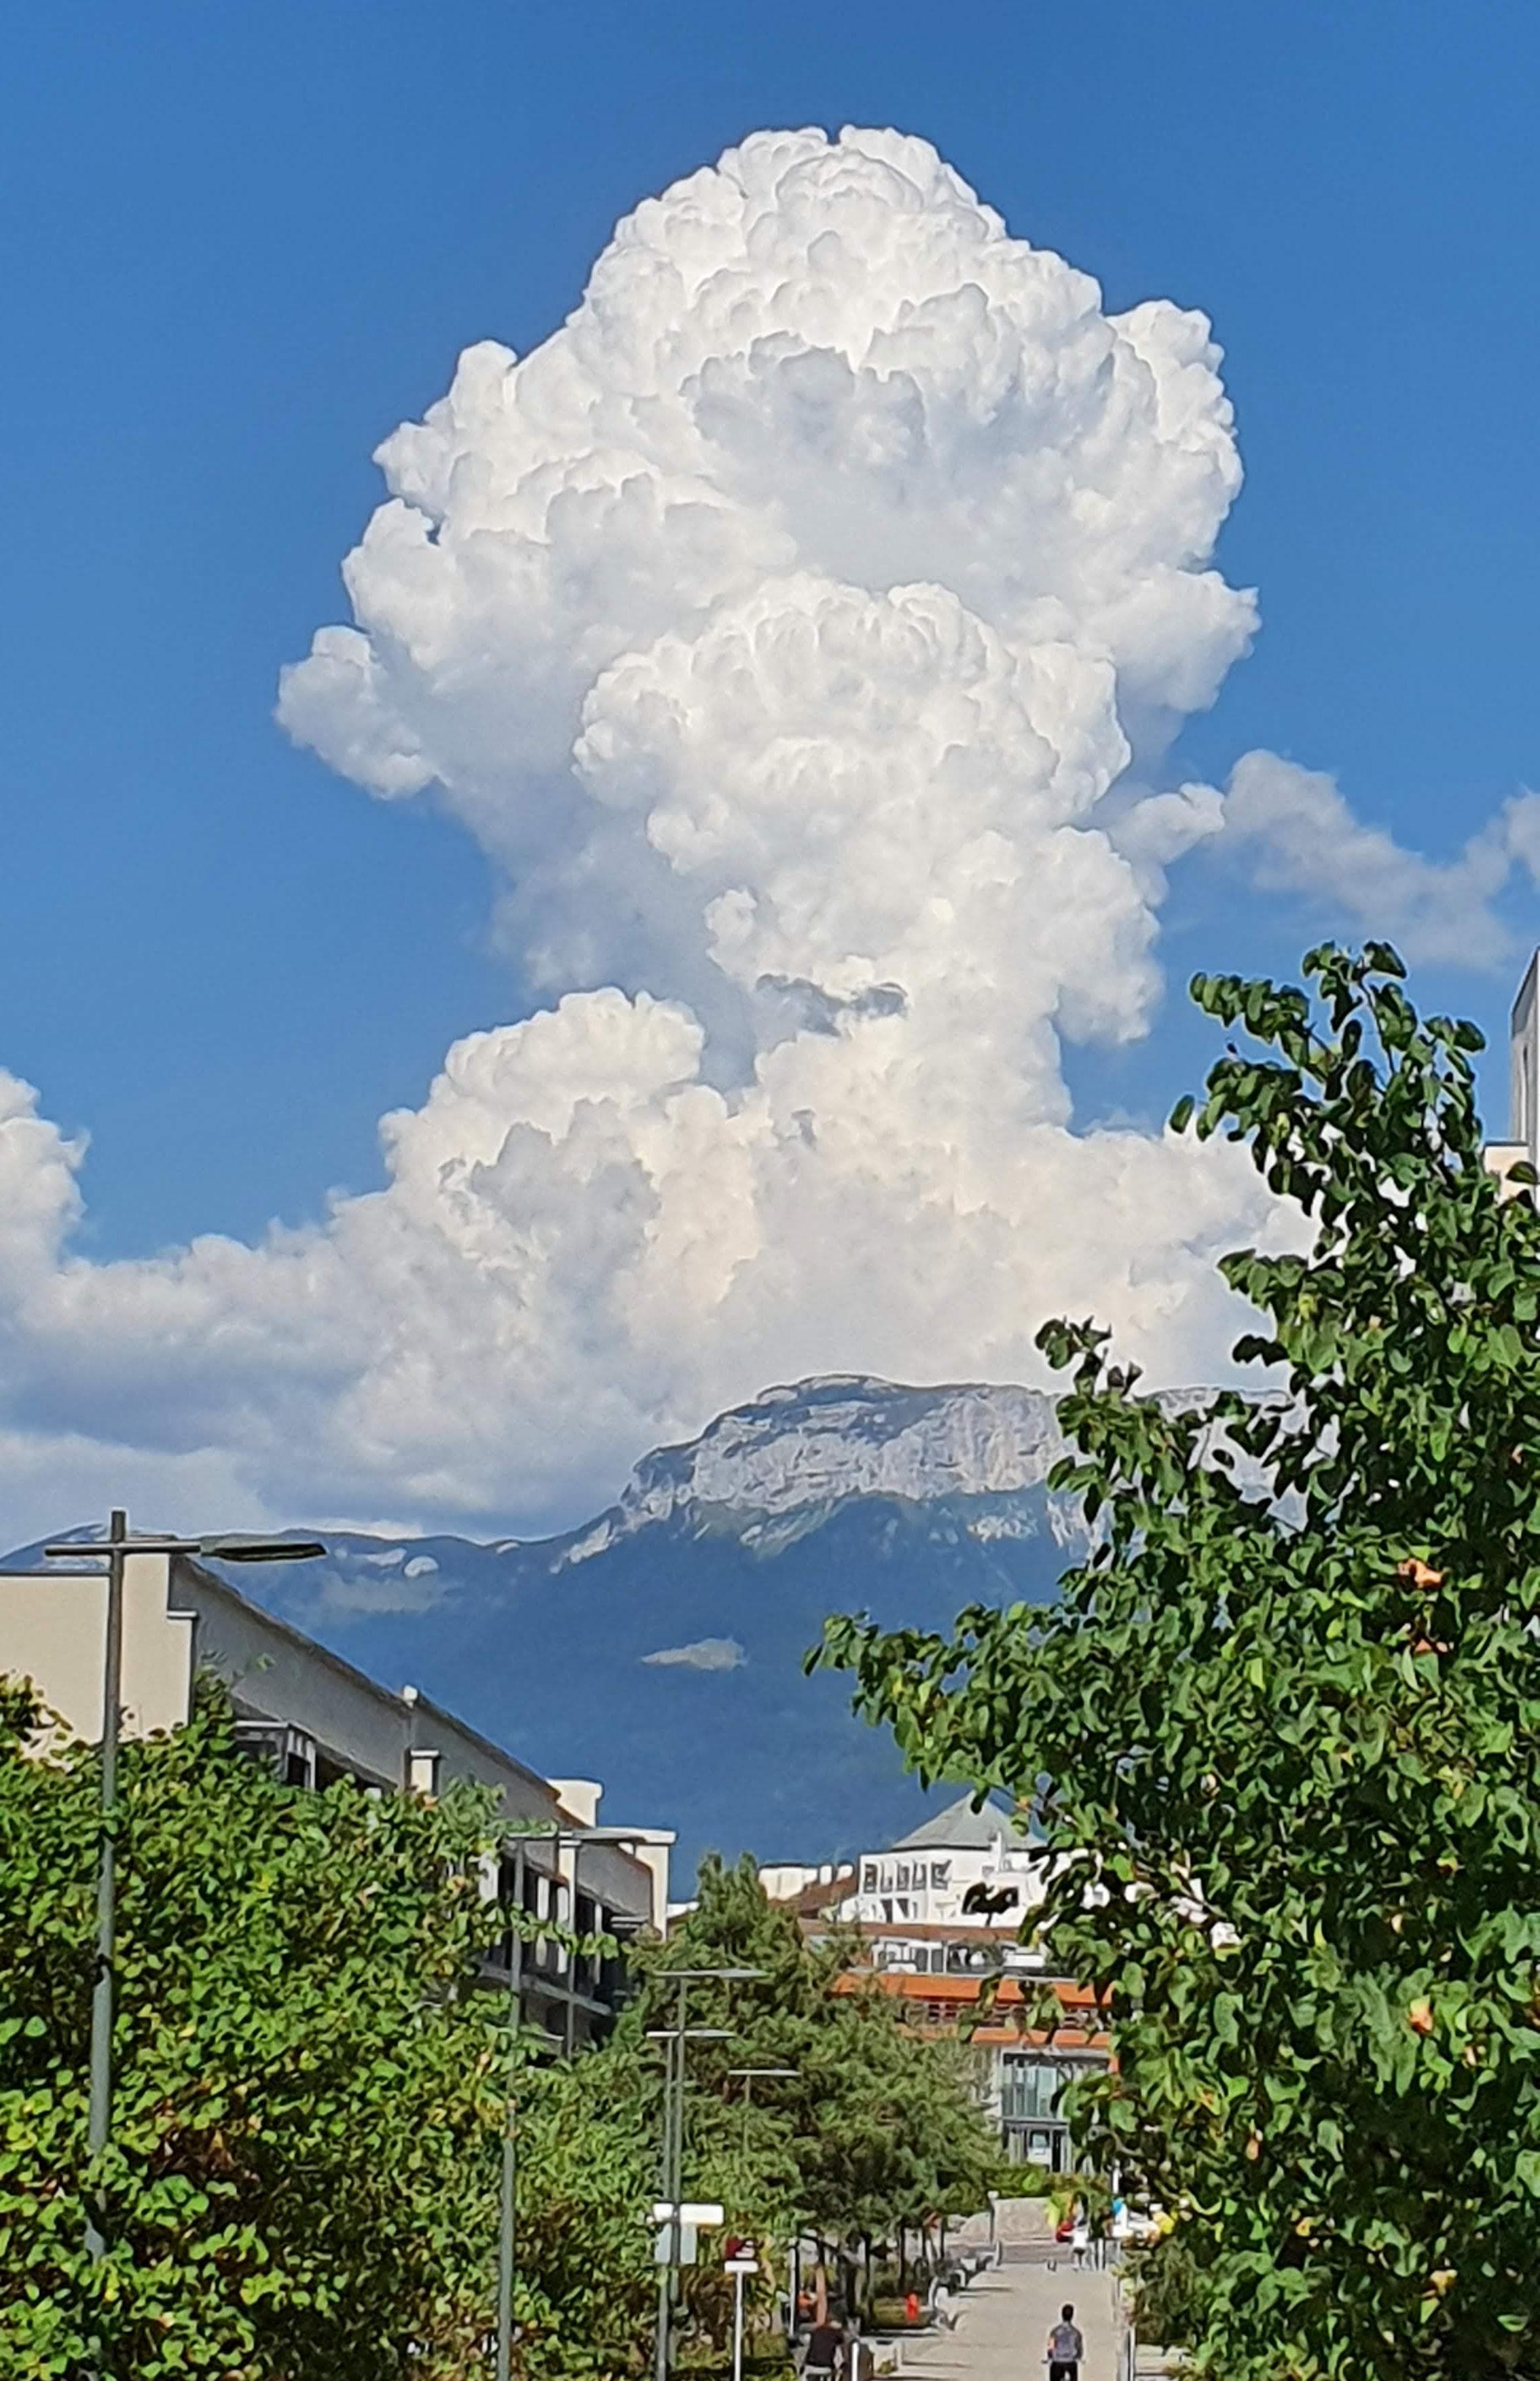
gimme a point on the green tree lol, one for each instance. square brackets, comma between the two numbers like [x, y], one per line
[1285, 1722]
[876, 2125]
[586, 2287]
[302, 2176]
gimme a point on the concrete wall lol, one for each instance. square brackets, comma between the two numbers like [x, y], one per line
[53, 1631]
[653, 1853]
[274, 1670]
[1524, 1063]
[784, 1880]
[275, 1673]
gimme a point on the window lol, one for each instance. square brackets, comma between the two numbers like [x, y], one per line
[941, 1875]
[292, 1754]
[869, 1877]
[1030, 2084]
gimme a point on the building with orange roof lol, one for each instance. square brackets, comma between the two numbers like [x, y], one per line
[944, 1916]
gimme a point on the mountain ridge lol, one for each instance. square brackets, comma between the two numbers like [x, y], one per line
[806, 1447]
[659, 1646]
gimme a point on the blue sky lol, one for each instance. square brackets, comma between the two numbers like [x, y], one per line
[243, 244]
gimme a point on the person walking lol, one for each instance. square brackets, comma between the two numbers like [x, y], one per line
[825, 2358]
[1065, 2347]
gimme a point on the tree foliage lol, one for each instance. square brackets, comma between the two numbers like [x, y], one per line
[310, 2088]
[876, 2127]
[1285, 1722]
[585, 2282]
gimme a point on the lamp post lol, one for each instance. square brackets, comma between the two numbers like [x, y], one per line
[673, 2131]
[750, 2076]
[557, 1835]
[119, 1547]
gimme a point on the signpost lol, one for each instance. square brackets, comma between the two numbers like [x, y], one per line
[740, 2260]
[682, 2222]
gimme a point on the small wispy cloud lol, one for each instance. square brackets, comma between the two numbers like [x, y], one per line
[705, 1654]
[377, 1583]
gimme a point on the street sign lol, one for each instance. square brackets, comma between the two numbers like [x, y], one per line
[688, 2211]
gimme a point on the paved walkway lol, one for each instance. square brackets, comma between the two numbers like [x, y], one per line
[1003, 2326]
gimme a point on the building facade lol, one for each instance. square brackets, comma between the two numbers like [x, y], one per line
[945, 1914]
[967, 1878]
[1522, 1146]
[313, 1718]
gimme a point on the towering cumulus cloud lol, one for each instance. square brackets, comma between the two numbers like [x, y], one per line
[797, 630]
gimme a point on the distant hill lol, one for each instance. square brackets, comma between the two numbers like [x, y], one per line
[659, 1647]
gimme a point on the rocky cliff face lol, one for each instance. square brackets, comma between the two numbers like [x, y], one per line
[771, 1471]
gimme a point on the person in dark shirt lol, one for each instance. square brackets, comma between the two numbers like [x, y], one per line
[826, 2350]
[1065, 2347]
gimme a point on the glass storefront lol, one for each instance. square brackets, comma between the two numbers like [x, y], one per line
[1032, 2086]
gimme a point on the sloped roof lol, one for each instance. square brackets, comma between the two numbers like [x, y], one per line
[960, 1828]
[819, 1900]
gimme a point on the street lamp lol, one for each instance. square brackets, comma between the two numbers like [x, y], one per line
[119, 1547]
[557, 1835]
[752, 2075]
[673, 2134]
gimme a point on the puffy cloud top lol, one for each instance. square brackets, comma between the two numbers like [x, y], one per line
[819, 357]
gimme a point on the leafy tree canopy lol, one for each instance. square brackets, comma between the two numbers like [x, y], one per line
[1285, 1721]
[310, 2088]
[876, 2125]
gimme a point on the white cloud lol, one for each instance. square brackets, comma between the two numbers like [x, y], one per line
[795, 629]
[345, 1587]
[705, 1654]
[1298, 834]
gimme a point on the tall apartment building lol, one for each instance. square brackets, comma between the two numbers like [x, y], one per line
[314, 1718]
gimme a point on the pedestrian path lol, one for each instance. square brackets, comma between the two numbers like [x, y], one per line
[1003, 2323]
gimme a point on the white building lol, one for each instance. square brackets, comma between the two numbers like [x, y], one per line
[314, 1718]
[1523, 1145]
[964, 1868]
[791, 1880]
[941, 1913]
